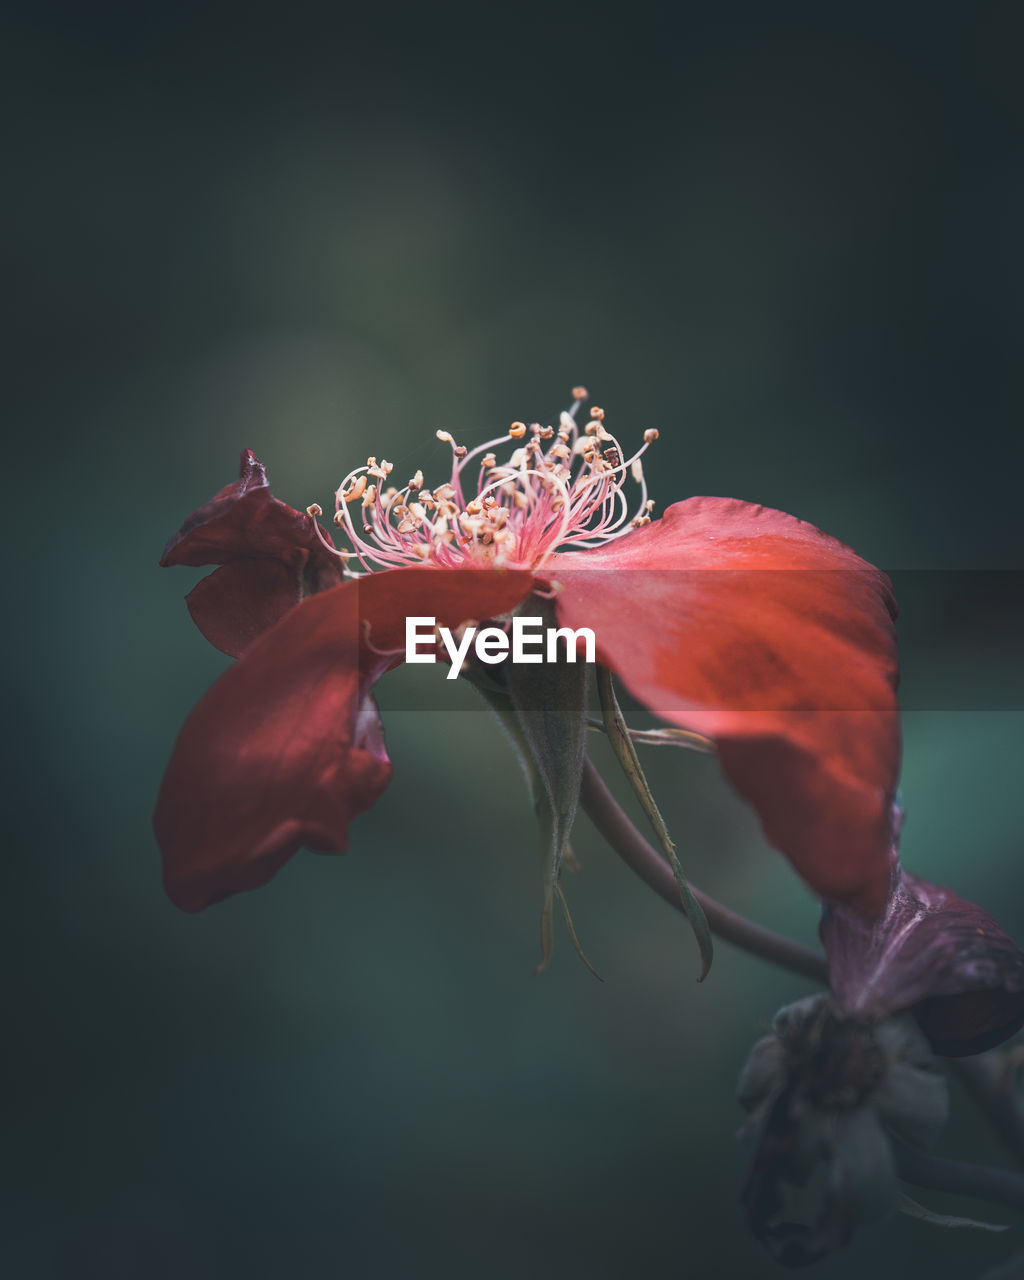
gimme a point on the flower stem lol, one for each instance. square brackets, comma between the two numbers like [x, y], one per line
[608, 817]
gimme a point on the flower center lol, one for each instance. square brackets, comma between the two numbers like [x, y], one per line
[560, 487]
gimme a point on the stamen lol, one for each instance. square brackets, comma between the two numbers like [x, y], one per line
[560, 488]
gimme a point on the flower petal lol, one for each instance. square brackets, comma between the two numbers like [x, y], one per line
[761, 632]
[273, 554]
[287, 747]
[932, 952]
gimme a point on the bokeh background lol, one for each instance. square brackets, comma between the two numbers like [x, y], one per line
[787, 235]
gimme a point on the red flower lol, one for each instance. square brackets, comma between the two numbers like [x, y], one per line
[931, 952]
[739, 622]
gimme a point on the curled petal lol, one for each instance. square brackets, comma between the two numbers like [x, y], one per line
[287, 747]
[776, 641]
[283, 751]
[239, 601]
[272, 557]
[932, 952]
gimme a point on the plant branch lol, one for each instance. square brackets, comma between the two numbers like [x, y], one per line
[607, 815]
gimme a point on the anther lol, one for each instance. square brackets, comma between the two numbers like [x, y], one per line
[314, 509]
[517, 430]
[579, 393]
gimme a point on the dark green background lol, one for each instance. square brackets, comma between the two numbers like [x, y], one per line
[786, 235]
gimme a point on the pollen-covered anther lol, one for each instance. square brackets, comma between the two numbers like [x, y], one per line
[517, 430]
[380, 472]
[370, 495]
[645, 517]
[487, 461]
[651, 434]
[596, 412]
[612, 457]
[579, 393]
[355, 490]
[314, 509]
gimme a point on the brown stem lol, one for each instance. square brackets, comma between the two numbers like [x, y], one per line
[608, 817]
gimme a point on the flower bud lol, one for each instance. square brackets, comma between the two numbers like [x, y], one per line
[823, 1093]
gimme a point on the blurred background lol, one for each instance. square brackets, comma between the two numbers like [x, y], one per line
[788, 236]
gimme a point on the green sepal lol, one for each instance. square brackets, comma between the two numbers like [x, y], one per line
[625, 752]
[543, 708]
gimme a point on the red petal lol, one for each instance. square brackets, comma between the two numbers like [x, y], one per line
[286, 747]
[932, 952]
[775, 640]
[275, 554]
[239, 601]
